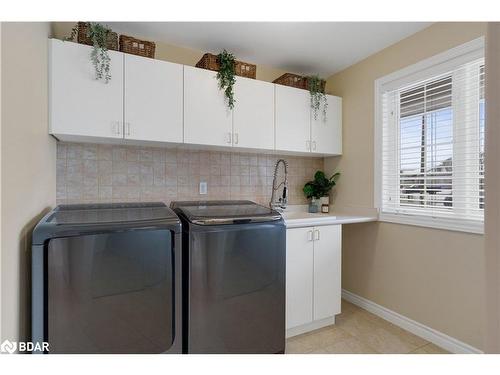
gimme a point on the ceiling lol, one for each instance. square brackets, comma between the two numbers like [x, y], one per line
[300, 47]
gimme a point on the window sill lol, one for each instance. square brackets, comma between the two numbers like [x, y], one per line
[434, 222]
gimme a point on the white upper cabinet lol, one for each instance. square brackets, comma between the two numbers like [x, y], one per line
[153, 100]
[150, 100]
[253, 114]
[293, 119]
[326, 134]
[80, 105]
[298, 130]
[207, 119]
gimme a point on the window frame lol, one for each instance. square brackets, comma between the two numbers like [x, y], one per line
[434, 66]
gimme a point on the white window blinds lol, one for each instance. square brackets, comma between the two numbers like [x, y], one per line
[433, 146]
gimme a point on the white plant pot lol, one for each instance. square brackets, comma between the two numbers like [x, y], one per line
[325, 200]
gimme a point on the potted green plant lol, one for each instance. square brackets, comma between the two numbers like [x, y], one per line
[316, 88]
[99, 56]
[226, 75]
[319, 188]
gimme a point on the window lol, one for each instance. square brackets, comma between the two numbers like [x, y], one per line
[430, 159]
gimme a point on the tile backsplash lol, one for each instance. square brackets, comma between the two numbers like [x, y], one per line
[88, 173]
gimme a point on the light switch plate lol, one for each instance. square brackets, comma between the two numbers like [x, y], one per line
[203, 188]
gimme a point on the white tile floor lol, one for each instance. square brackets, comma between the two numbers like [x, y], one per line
[357, 331]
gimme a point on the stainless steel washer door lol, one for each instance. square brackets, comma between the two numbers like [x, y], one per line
[111, 293]
[237, 288]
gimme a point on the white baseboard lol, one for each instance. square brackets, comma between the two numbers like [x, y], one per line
[317, 324]
[427, 333]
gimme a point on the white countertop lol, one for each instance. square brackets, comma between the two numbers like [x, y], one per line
[296, 217]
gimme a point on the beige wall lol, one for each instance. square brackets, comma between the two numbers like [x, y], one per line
[492, 210]
[176, 54]
[435, 277]
[28, 157]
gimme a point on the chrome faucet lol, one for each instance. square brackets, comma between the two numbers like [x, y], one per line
[283, 200]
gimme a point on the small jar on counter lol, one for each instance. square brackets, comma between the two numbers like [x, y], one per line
[325, 208]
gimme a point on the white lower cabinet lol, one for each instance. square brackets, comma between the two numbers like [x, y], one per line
[327, 271]
[313, 277]
[299, 276]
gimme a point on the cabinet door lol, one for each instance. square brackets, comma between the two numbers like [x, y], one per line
[327, 271]
[207, 119]
[153, 99]
[253, 114]
[326, 135]
[293, 119]
[299, 277]
[80, 104]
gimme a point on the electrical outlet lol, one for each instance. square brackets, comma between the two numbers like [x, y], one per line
[203, 187]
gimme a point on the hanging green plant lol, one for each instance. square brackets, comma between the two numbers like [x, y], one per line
[225, 75]
[316, 88]
[99, 56]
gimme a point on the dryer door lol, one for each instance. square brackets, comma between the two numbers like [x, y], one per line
[111, 293]
[237, 288]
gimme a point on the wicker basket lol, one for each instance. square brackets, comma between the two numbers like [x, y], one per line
[242, 69]
[138, 47]
[83, 38]
[294, 80]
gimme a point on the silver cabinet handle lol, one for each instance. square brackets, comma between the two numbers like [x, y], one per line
[316, 235]
[236, 138]
[229, 137]
[308, 145]
[309, 235]
[314, 145]
[127, 128]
